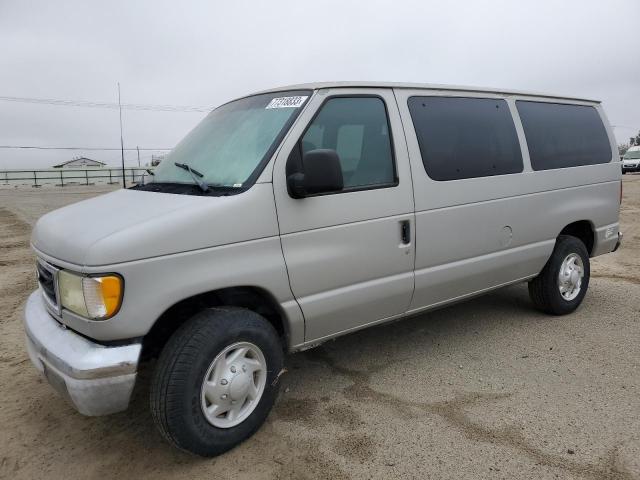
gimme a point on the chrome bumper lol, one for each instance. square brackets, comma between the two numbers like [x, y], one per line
[95, 379]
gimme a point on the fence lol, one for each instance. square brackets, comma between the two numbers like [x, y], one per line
[61, 177]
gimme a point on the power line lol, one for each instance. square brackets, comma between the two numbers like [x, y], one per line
[90, 104]
[32, 147]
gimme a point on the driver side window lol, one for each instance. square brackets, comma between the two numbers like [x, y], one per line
[357, 129]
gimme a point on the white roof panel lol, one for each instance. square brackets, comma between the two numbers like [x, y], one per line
[425, 86]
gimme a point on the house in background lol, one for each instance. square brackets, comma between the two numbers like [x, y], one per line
[80, 162]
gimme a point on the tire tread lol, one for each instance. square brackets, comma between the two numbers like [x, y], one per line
[177, 359]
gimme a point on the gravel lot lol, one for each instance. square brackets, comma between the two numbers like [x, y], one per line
[484, 389]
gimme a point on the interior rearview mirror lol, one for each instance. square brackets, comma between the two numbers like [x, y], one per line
[321, 173]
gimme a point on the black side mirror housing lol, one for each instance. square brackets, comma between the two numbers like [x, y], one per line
[295, 185]
[321, 173]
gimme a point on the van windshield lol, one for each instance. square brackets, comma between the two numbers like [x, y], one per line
[635, 154]
[233, 141]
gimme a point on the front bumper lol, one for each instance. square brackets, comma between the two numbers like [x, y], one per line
[631, 167]
[95, 379]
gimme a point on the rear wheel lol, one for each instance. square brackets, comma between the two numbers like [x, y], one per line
[563, 282]
[216, 380]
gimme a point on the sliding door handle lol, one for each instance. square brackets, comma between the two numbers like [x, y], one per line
[405, 232]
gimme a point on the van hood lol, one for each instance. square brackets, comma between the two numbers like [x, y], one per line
[128, 225]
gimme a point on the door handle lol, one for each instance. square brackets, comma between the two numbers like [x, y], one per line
[405, 232]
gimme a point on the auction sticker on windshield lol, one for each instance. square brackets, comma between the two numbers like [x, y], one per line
[287, 102]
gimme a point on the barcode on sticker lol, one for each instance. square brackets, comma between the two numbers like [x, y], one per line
[287, 102]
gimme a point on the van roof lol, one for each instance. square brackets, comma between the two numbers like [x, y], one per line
[423, 86]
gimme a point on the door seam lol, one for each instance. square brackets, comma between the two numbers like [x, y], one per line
[286, 267]
[413, 198]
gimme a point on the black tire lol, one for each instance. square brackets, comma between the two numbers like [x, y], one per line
[177, 381]
[544, 289]
[623, 172]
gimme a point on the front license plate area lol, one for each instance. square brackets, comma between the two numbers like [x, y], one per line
[57, 382]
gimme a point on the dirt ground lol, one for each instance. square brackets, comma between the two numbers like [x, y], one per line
[484, 389]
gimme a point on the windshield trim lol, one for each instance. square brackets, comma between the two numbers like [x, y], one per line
[251, 180]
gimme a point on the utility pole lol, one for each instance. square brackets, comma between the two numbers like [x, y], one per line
[138, 149]
[124, 181]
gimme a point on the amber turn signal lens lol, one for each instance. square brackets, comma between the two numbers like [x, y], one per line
[102, 295]
[111, 293]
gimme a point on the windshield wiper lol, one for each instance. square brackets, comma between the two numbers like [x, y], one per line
[194, 174]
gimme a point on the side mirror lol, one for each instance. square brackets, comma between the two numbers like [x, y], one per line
[321, 173]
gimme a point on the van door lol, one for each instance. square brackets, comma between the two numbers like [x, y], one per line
[350, 255]
[476, 222]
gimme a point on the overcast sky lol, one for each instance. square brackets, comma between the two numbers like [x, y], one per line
[205, 53]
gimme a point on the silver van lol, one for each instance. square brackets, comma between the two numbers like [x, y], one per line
[295, 215]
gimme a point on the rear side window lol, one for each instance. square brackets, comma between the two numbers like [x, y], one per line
[560, 135]
[465, 137]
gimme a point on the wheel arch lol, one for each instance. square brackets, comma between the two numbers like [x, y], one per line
[253, 298]
[583, 230]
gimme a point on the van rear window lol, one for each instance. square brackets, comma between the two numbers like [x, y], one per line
[562, 135]
[465, 137]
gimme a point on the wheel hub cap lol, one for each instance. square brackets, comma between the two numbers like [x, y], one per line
[233, 385]
[570, 276]
[239, 386]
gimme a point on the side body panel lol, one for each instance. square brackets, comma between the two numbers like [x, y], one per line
[479, 233]
[152, 285]
[344, 254]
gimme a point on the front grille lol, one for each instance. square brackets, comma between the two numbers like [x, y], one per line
[47, 281]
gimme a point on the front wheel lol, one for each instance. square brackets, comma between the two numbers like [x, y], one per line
[216, 380]
[563, 282]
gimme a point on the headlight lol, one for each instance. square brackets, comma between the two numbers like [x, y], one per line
[97, 297]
